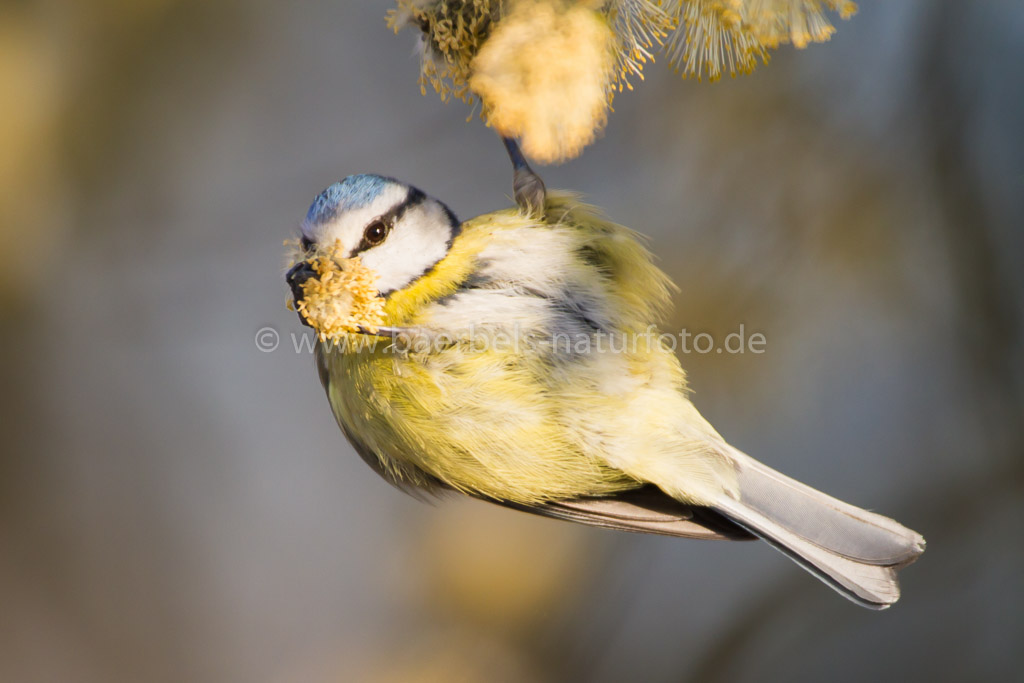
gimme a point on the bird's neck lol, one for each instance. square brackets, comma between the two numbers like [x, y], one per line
[444, 278]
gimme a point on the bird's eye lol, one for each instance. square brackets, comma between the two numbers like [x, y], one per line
[375, 233]
[305, 243]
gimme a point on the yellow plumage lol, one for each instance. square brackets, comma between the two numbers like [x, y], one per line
[524, 422]
[521, 363]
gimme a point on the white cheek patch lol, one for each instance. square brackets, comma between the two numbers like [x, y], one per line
[349, 225]
[418, 241]
[419, 238]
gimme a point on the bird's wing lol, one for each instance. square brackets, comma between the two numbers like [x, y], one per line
[854, 551]
[645, 510]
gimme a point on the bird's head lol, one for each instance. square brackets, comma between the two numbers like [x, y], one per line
[397, 231]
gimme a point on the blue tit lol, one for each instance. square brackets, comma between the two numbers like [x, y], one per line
[519, 363]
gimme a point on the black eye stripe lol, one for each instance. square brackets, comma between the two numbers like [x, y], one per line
[414, 198]
[388, 220]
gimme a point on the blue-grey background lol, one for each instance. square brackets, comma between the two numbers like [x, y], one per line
[176, 504]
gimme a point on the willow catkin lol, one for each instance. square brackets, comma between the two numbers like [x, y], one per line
[545, 75]
[342, 298]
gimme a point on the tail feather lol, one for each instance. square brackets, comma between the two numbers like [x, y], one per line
[854, 551]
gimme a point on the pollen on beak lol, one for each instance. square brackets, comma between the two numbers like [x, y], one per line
[335, 295]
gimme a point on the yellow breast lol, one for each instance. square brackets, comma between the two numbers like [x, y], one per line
[520, 423]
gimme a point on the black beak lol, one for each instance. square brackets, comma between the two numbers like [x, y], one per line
[296, 277]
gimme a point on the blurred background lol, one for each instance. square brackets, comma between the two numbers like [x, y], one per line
[176, 502]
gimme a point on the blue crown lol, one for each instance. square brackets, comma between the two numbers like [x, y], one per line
[354, 192]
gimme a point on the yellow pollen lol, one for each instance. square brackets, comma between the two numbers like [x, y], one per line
[341, 298]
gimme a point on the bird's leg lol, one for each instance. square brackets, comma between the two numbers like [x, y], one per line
[527, 187]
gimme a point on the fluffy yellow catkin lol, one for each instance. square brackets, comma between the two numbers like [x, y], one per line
[341, 298]
[545, 74]
[547, 70]
[717, 37]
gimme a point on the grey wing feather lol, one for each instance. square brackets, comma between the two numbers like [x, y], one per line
[646, 510]
[855, 551]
